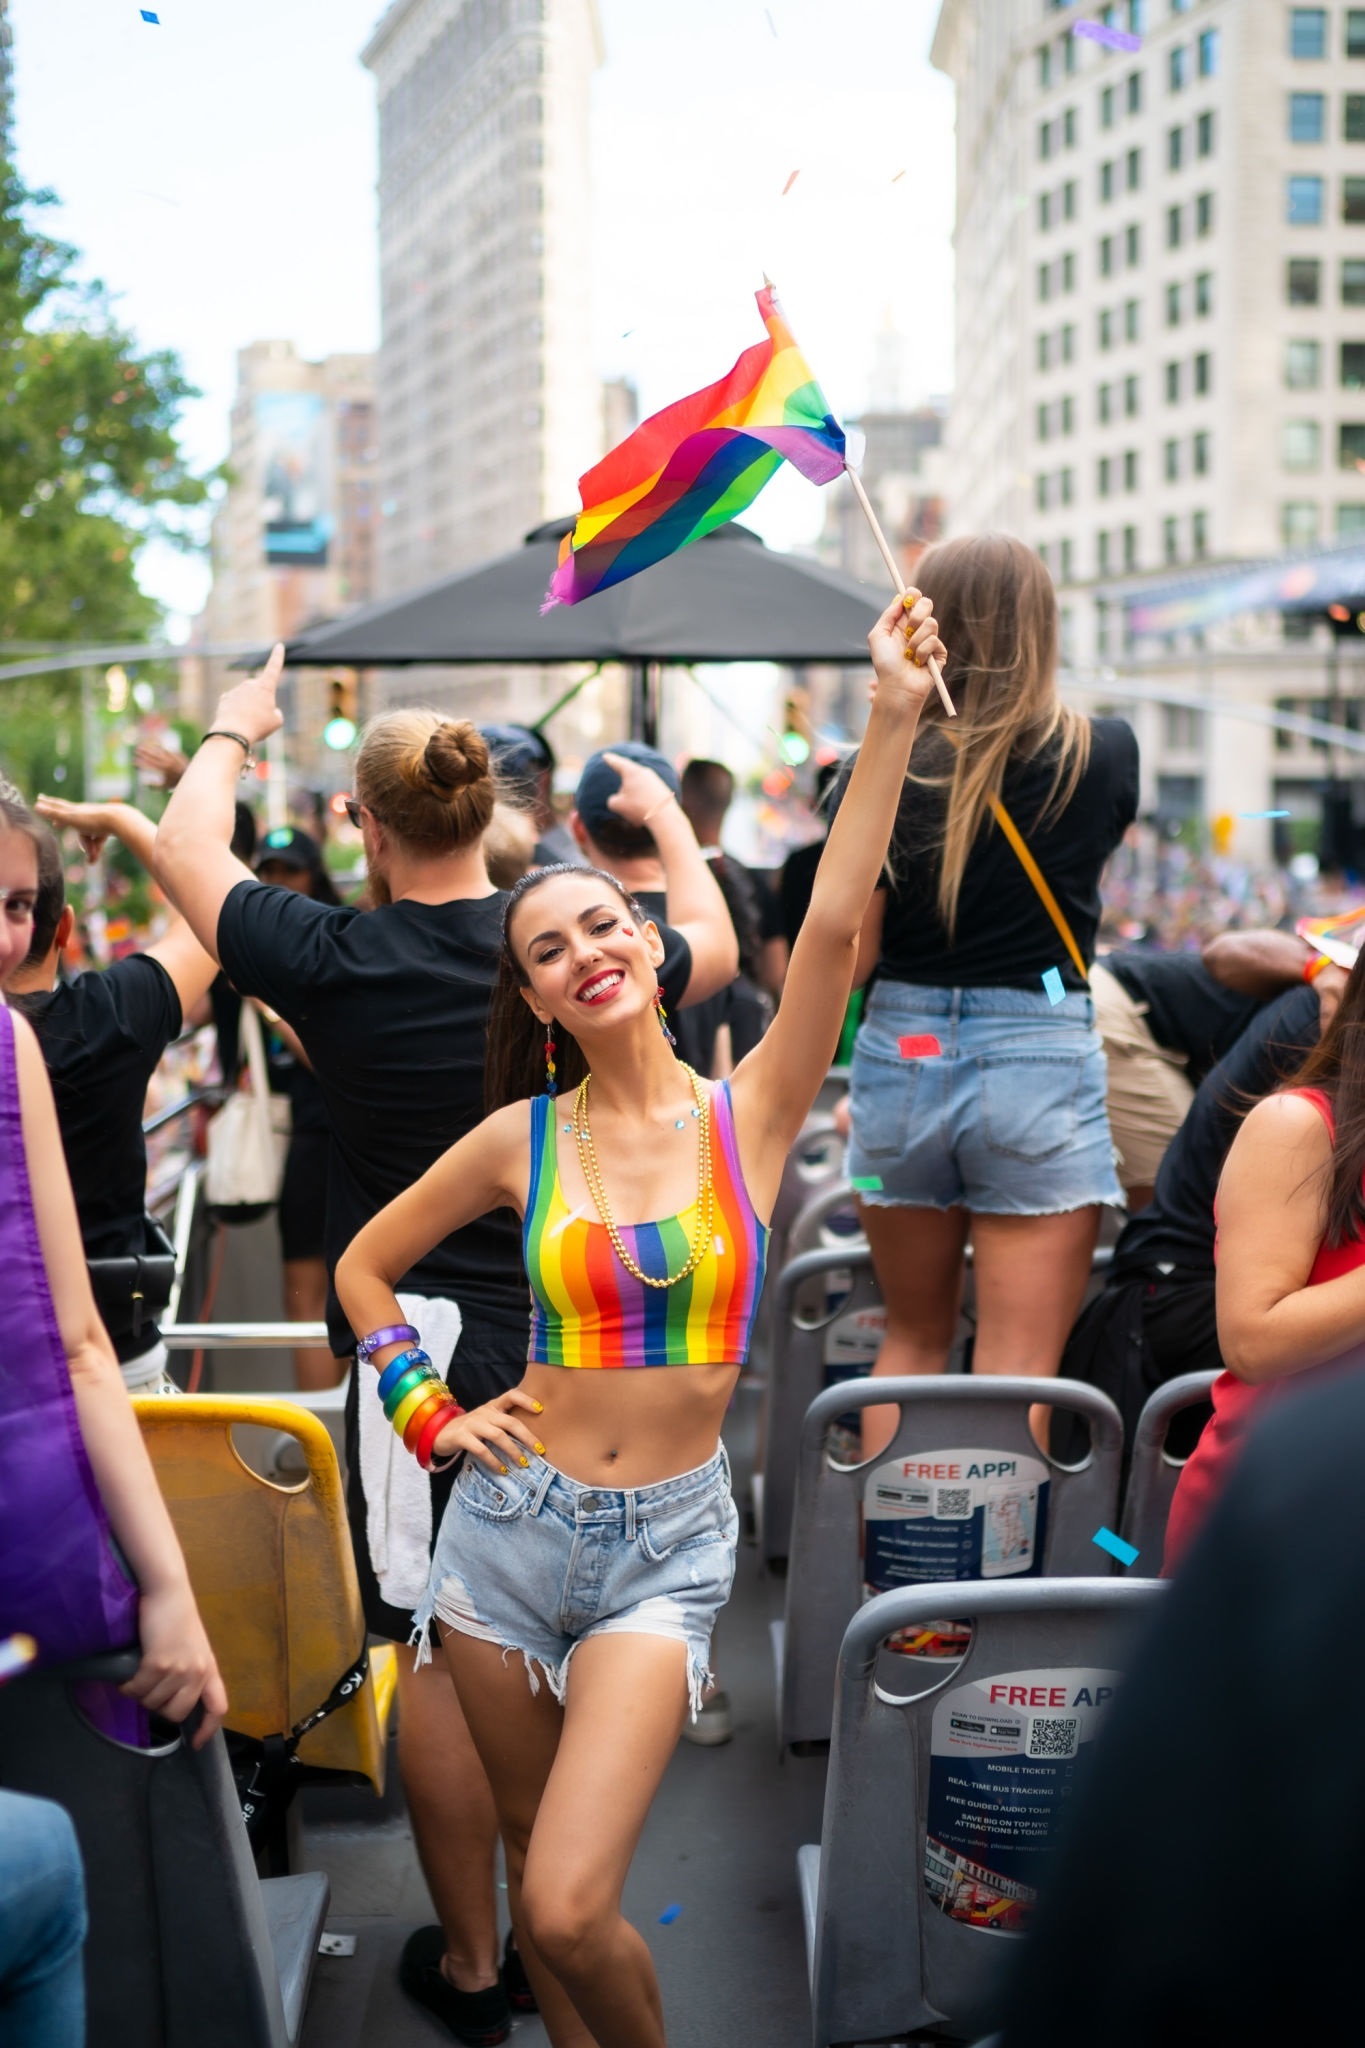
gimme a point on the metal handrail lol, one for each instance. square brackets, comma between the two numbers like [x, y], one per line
[241, 1336]
[182, 1108]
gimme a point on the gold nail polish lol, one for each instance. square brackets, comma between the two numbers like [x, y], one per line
[539, 1407]
[503, 1470]
[523, 1461]
[539, 1450]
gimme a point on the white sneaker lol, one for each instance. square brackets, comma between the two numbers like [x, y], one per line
[713, 1725]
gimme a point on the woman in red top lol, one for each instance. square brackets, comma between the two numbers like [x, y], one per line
[1290, 1249]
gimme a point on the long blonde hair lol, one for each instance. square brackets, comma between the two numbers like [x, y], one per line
[997, 615]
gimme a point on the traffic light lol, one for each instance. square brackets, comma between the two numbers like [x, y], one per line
[794, 742]
[340, 729]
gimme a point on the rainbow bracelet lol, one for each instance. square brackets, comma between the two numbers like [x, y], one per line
[394, 1333]
[397, 1367]
[426, 1442]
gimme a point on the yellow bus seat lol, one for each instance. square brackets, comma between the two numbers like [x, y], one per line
[274, 1576]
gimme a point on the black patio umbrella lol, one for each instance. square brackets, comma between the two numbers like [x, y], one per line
[725, 598]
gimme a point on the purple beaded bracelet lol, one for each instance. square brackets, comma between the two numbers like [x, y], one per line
[395, 1333]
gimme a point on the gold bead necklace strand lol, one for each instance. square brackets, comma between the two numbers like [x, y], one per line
[701, 1242]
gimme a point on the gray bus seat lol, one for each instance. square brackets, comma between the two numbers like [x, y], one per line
[1154, 1473]
[187, 1947]
[1012, 1512]
[913, 1930]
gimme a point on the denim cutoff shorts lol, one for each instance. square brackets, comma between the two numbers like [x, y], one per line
[1009, 1120]
[538, 1562]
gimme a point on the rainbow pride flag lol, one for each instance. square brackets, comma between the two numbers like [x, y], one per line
[698, 463]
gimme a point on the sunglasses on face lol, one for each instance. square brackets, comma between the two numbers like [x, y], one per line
[354, 807]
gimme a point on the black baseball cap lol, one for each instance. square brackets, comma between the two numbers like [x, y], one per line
[600, 781]
[518, 752]
[291, 848]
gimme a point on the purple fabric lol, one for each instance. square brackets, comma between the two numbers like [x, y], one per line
[60, 1579]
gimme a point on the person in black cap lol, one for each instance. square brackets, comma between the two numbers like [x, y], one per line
[525, 761]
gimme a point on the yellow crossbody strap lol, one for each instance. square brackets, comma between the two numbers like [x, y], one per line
[1035, 875]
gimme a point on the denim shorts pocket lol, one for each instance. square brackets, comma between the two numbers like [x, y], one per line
[881, 1097]
[488, 1494]
[688, 1525]
[1029, 1102]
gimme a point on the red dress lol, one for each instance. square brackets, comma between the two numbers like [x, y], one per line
[1238, 1405]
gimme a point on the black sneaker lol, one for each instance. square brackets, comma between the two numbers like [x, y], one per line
[480, 2019]
[515, 1981]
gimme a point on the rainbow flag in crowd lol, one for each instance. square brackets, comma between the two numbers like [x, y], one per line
[1340, 938]
[698, 463]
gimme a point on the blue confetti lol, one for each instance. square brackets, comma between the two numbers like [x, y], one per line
[669, 1915]
[1116, 1546]
[1263, 814]
[147, 15]
[1053, 987]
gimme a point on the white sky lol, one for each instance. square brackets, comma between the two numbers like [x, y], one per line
[217, 171]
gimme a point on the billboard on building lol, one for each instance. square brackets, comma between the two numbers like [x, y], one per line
[295, 472]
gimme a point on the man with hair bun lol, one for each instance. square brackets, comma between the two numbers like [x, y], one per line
[391, 1007]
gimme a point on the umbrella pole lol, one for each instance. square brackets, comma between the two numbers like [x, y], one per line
[897, 579]
[644, 702]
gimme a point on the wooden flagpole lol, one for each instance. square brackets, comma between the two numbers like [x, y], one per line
[896, 577]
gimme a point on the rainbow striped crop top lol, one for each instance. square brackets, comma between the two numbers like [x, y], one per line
[587, 1310]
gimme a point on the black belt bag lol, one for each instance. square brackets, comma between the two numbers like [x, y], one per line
[133, 1289]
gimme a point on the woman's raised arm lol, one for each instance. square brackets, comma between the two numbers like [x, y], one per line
[775, 1086]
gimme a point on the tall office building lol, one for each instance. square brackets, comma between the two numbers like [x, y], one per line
[1160, 323]
[488, 406]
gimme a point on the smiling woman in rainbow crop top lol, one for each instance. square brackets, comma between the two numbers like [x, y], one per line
[591, 1528]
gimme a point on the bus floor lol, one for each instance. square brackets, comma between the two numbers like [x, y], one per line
[720, 1845]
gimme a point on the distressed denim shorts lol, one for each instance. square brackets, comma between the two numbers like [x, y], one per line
[1008, 1120]
[538, 1562]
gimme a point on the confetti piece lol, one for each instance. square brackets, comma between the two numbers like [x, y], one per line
[790, 182]
[1100, 32]
[866, 1182]
[16, 1653]
[899, 175]
[147, 15]
[1116, 1546]
[1263, 814]
[925, 1048]
[670, 1913]
[1053, 987]
[771, 23]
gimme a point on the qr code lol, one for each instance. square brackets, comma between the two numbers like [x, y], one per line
[954, 1504]
[1053, 1735]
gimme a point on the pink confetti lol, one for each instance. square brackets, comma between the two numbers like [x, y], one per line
[790, 182]
[1100, 32]
[926, 1047]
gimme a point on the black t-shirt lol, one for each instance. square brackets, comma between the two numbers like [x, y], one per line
[1177, 1227]
[392, 1008]
[287, 1076]
[1004, 937]
[795, 886]
[1187, 1010]
[102, 1037]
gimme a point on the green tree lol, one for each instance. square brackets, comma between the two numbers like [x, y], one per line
[90, 471]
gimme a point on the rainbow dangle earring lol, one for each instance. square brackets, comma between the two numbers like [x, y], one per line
[551, 1085]
[663, 1017]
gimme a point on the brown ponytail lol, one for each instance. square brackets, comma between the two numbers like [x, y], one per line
[428, 779]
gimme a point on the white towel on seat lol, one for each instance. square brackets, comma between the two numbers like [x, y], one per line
[397, 1491]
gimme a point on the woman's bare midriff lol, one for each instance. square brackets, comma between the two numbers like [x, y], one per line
[633, 1426]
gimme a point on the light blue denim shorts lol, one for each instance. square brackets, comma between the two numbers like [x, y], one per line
[538, 1562]
[1010, 1118]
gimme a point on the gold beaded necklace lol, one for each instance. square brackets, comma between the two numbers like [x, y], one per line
[706, 1200]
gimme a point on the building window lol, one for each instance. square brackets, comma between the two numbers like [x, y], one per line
[1045, 280]
[1352, 281]
[1068, 478]
[1199, 535]
[1353, 366]
[1044, 140]
[1303, 202]
[1172, 462]
[1203, 293]
[1107, 180]
[1203, 129]
[1351, 518]
[1130, 469]
[1069, 200]
[1102, 553]
[1042, 555]
[1170, 540]
[1300, 444]
[1106, 328]
[1307, 116]
[1199, 455]
[1071, 55]
[1133, 170]
[1353, 200]
[1175, 148]
[1351, 445]
[1040, 492]
[1208, 53]
[1203, 375]
[1353, 117]
[1134, 91]
[1103, 477]
[1131, 319]
[1066, 560]
[1045, 210]
[1308, 32]
[1045, 67]
[1068, 415]
[1302, 365]
[1173, 305]
[1355, 31]
[1137, 17]
[1303, 281]
[1107, 107]
[1203, 214]
[1042, 422]
[1068, 342]
[1298, 523]
[1182, 728]
[1106, 256]
[1130, 398]
[1103, 399]
[1044, 351]
[1069, 272]
[1174, 224]
[1132, 245]
[1130, 547]
[1069, 128]
[1172, 383]
[1178, 68]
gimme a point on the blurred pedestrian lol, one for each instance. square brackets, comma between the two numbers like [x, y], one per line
[978, 1078]
[525, 765]
[738, 1016]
